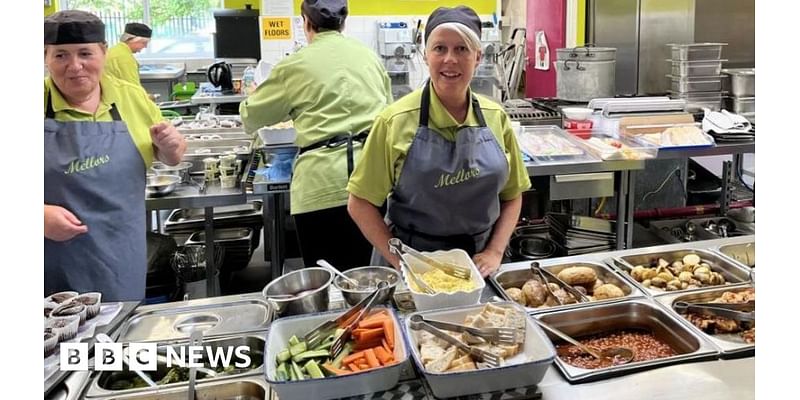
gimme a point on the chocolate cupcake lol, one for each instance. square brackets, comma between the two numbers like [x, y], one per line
[65, 327]
[61, 297]
[92, 302]
[50, 343]
[70, 308]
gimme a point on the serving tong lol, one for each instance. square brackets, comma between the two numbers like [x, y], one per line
[484, 358]
[502, 335]
[399, 248]
[417, 280]
[350, 317]
[744, 313]
[546, 276]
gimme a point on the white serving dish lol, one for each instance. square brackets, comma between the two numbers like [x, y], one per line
[277, 136]
[358, 383]
[527, 368]
[425, 301]
[577, 113]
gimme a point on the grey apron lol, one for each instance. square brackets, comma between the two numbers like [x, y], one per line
[94, 170]
[448, 193]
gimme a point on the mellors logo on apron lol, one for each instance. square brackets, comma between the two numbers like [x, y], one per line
[94, 170]
[462, 181]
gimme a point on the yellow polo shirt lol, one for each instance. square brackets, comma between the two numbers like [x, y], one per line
[381, 162]
[135, 109]
[121, 64]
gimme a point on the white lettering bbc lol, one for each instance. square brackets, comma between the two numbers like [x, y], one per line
[144, 356]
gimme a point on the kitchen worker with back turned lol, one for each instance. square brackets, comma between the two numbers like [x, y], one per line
[100, 136]
[446, 158]
[332, 89]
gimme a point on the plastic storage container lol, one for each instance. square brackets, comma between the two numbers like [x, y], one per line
[524, 369]
[696, 68]
[358, 383]
[696, 51]
[550, 144]
[608, 147]
[685, 84]
[425, 301]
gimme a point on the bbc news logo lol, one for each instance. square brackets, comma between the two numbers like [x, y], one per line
[144, 356]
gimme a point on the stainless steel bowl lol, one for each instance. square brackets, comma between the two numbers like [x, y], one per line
[181, 170]
[367, 277]
[309, 290]
[161, 185]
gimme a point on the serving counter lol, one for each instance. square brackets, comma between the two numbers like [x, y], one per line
[710, 377]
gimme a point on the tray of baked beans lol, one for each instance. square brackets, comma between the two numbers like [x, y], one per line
[726, 316]
[597, 283]
[661, 272]
[655, 337]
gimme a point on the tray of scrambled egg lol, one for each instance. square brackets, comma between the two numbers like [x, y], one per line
[450, 291]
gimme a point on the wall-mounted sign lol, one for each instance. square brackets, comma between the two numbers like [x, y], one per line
[273, 28]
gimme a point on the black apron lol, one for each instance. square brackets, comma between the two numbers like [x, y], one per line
[94, 170]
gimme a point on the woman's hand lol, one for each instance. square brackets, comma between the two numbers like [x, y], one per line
[61, 225]
[170, 143]
[488, 261]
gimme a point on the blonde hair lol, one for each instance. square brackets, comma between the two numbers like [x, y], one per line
[127, 37]
[468, 35]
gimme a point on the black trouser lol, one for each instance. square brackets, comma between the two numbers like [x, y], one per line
[331, 235]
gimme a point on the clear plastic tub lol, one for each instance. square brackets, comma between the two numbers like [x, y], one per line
[696, 51]
[608, 147]
[696, 68]
[699, 100]
[685, 84]
[550, 144]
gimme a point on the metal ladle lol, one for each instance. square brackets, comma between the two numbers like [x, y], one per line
[620, 355]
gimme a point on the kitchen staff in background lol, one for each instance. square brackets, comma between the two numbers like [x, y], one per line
[100, 136]
[120, 61]
[446, 158]
[332, 89]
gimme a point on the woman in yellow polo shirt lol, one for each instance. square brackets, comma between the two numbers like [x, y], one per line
[120, 61]
[447, 159]
[100, 135]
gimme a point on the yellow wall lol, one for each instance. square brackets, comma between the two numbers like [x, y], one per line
[239, 4]
[53, 7]
[409, 7]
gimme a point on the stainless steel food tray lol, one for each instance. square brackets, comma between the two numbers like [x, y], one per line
[733, 272]
[173, 322]
[696, 51]
[730, 344]
[249, 388]
[743, 253]
[101, 382]
[191, 219]
[195, 136]
[197, 148]
[630, 314]
[517, 277]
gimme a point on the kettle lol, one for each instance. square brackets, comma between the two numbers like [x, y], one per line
[220, 75]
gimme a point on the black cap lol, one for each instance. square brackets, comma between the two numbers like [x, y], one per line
[461, 14]
[138, 29]
[328, 14]
[73, 26]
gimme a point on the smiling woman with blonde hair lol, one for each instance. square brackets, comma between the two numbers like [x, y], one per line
[446, 158]
[100, 136]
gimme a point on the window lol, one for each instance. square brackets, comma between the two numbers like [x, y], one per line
[181, 28]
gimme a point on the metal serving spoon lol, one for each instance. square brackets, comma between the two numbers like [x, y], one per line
[620, 355]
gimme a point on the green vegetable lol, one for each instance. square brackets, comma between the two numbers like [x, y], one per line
[326, 344]
[313, 369]
[298, 348]
[293, 340]
[284, 356]
[297, 372]
[281, 374]
[310, 354]
[348, 347]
